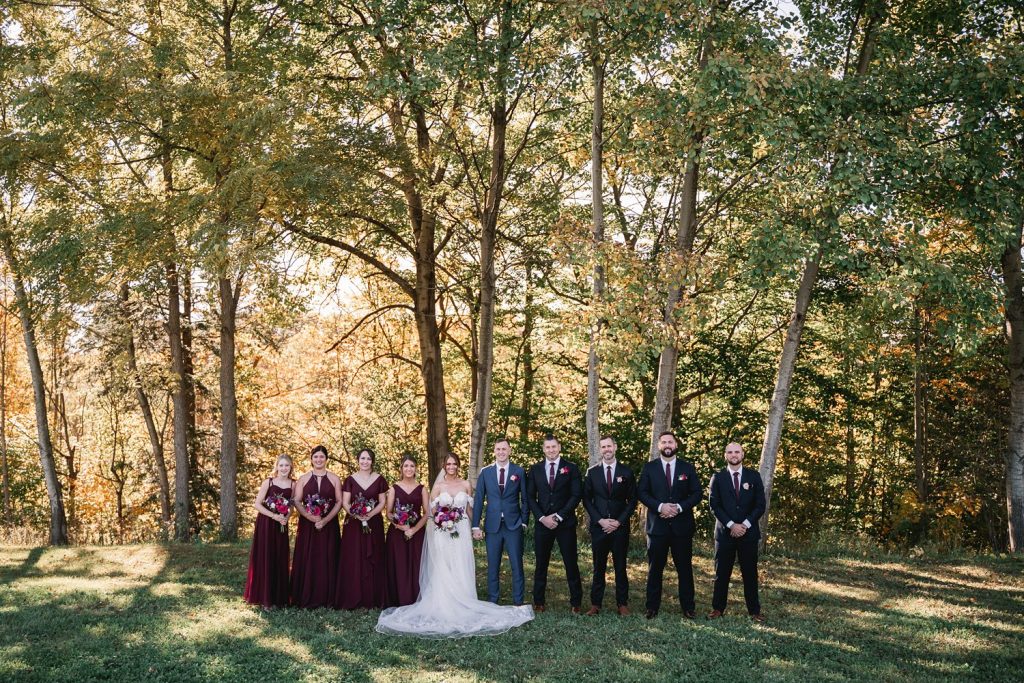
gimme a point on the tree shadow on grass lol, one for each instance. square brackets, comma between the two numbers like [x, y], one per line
[10, 573]
[186, 621]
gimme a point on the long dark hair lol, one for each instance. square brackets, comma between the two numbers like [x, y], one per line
[369, 451]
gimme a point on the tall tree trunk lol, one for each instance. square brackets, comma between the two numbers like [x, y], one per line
[58, 521]
[182, 497]
[175, 335]
[197, 481]
[920, 409]
[8, 518]
[488, 242]
[668, 360]
[787, 361]
[229, 413]
[1013, 307]
[597, 69]
[431, 366]
[179, 394]
[156, 441]
[64, 432]
[528, 369]
[784, 379]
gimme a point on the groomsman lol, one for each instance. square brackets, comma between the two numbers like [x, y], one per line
[501, 501]
[554, 488]
[670, 489]
[737, 499]
[609, 496]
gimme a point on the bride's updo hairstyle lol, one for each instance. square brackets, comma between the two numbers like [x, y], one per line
[458, 463]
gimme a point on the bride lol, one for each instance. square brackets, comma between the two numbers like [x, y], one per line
[447, 606]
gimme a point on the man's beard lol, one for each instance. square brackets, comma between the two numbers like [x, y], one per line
[669, 453]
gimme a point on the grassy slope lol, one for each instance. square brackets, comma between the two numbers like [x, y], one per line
[170, 613]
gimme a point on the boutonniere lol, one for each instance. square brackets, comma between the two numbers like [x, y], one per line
[682, 477]
[513, 477]
[618, 479]
[564, 470]
[746, 485]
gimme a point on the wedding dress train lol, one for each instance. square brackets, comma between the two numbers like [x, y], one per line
[448, 606]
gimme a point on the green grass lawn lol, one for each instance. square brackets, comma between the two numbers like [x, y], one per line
[173, 613]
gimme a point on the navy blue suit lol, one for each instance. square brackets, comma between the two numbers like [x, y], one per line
[674, 534]
[506, 514]
[728, 507]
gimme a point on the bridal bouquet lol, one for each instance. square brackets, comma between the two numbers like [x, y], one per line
[279, 504]
[447, 518]
[361, 507]
[405, 514]
[317, 505]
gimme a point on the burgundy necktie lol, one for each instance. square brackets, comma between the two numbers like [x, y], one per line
[736, 484]
[608, 477]
[551, 476]
[501, 480]
[668, 475]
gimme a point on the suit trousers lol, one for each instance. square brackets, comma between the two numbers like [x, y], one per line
[497, 542]
[727, 551]
[543, 542]
[617, 543]
[658, 548]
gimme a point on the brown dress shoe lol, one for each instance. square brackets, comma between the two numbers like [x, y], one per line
[759, 618]
[538, 608]
[714, 614]
[651, 613]
[623, 611]
[575, 610]
[593, 611]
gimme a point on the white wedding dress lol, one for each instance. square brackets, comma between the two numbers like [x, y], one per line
[447, 606]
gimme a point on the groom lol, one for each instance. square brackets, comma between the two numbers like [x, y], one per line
[501, 488]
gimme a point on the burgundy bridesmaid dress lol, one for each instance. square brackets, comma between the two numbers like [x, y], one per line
[267, 582]
[315, 564]
[402, 555]
[361, 570]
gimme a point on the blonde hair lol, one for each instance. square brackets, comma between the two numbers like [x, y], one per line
[291, 466]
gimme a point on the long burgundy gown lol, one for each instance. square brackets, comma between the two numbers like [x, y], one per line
[267, 582]
[361, 571]
[402, 556]
[315, 564]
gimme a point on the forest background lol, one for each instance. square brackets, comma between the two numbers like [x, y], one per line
[235, 229]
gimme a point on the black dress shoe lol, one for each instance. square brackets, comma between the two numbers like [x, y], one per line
[689, 614]
[651, 613]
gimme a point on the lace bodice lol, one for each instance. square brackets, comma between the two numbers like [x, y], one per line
[460, 499]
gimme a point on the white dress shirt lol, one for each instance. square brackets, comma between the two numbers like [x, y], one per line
[733, 470]
[547, 472]
[671, 477]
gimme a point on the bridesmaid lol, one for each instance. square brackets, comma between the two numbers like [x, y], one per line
[405, 542]
[317, 497]
[267, 582]
[361, 574]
